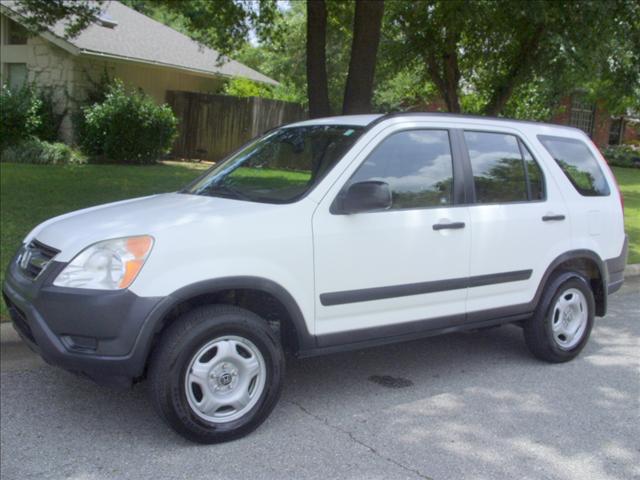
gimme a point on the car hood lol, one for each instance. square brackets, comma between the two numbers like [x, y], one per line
[74, 231]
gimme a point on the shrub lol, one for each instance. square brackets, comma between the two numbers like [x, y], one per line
[127, 127]
[623, 155]
[34, 150]
[25, 113]
[19, 115]
[50, 119]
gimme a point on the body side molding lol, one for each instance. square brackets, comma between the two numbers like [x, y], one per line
[393, 291]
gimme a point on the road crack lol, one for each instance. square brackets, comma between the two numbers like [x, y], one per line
[357, 441]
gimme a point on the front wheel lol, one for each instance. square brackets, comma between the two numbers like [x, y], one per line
[562, 323]
[217, 373]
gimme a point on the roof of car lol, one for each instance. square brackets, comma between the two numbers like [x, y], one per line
[355, 120]
[370, 120]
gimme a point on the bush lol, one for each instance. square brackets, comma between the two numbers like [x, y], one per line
[25, 113]
[127, 127]
[19, 115]
[50, 119]
[623, 156]
[34, 150]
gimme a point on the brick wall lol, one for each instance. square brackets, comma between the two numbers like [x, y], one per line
[601, 121]
[563, 113]
[631, 132]
[601, 126]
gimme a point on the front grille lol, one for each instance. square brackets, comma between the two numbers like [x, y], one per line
[19, 319]
[35, 257]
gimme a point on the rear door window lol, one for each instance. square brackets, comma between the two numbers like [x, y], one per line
[504, 171]
[578, 164]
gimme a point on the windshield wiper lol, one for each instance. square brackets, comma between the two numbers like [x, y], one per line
[228, 191]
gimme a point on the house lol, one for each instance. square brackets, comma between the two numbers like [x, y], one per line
[126, 44]
[591, 117]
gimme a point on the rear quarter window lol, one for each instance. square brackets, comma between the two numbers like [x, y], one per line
[578, 164]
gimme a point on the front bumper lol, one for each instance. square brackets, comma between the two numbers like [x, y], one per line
[98, 334]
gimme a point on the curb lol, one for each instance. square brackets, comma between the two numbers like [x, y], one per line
[8, 334]
[632, 270]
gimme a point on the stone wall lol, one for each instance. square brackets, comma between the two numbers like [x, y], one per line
[51, 69]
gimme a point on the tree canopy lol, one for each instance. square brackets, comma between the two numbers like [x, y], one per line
[511, 57]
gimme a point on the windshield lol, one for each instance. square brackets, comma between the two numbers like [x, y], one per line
[280, 167]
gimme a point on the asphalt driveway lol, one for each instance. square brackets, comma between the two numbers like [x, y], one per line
[461, 406]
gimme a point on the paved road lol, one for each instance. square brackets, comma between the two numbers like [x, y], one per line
[478, 407]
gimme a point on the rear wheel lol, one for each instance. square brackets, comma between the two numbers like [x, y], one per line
[217, 373]
[562, 323]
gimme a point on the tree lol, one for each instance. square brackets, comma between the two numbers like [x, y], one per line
[317, 84]
[226, 24]
[492, 50]
[38, 15]
[367, 24]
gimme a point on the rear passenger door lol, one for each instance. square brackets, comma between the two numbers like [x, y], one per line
[518, 219]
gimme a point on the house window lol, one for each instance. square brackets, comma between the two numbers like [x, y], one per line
[583, 114]
[615, 131]
[17, 34]
[16, 75]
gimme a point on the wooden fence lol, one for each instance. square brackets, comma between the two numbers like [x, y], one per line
[211, 126]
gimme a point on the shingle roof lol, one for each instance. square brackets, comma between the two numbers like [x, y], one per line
[137, 37]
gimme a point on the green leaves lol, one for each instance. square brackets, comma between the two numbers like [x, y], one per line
[20, 114]
[498, 52]
[38, 15]
[127, 127]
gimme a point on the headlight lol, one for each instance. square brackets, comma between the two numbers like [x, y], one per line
[108, 265]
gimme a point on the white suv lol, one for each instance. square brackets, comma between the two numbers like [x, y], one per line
[321, 236]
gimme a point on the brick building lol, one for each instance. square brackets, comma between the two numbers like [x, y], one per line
[596, 121]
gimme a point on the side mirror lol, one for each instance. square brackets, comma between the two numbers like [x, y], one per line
[363, 197]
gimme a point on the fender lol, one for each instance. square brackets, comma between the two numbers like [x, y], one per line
[155, 320]
[601, 303]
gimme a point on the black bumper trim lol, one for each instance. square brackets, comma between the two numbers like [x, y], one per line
[615, 268]
[43, 316]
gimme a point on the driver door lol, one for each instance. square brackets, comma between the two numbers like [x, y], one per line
[402, 270]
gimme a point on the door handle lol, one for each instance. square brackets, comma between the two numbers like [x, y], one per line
[449, 226]
[553, 218]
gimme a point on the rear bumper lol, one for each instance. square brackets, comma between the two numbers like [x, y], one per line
[615, 268]
[98, 334]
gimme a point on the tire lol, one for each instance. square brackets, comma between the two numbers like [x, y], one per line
[212, 355]
[562, 323]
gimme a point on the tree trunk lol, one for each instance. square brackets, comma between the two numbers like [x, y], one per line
[451, 71]
[367, 23]
[317, 85]
[446, 76]
[528, 52]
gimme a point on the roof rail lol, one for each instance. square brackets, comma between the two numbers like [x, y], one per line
[459, 115]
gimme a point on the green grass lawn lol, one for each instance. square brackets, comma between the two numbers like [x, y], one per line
[30, 194]
[629, 181]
